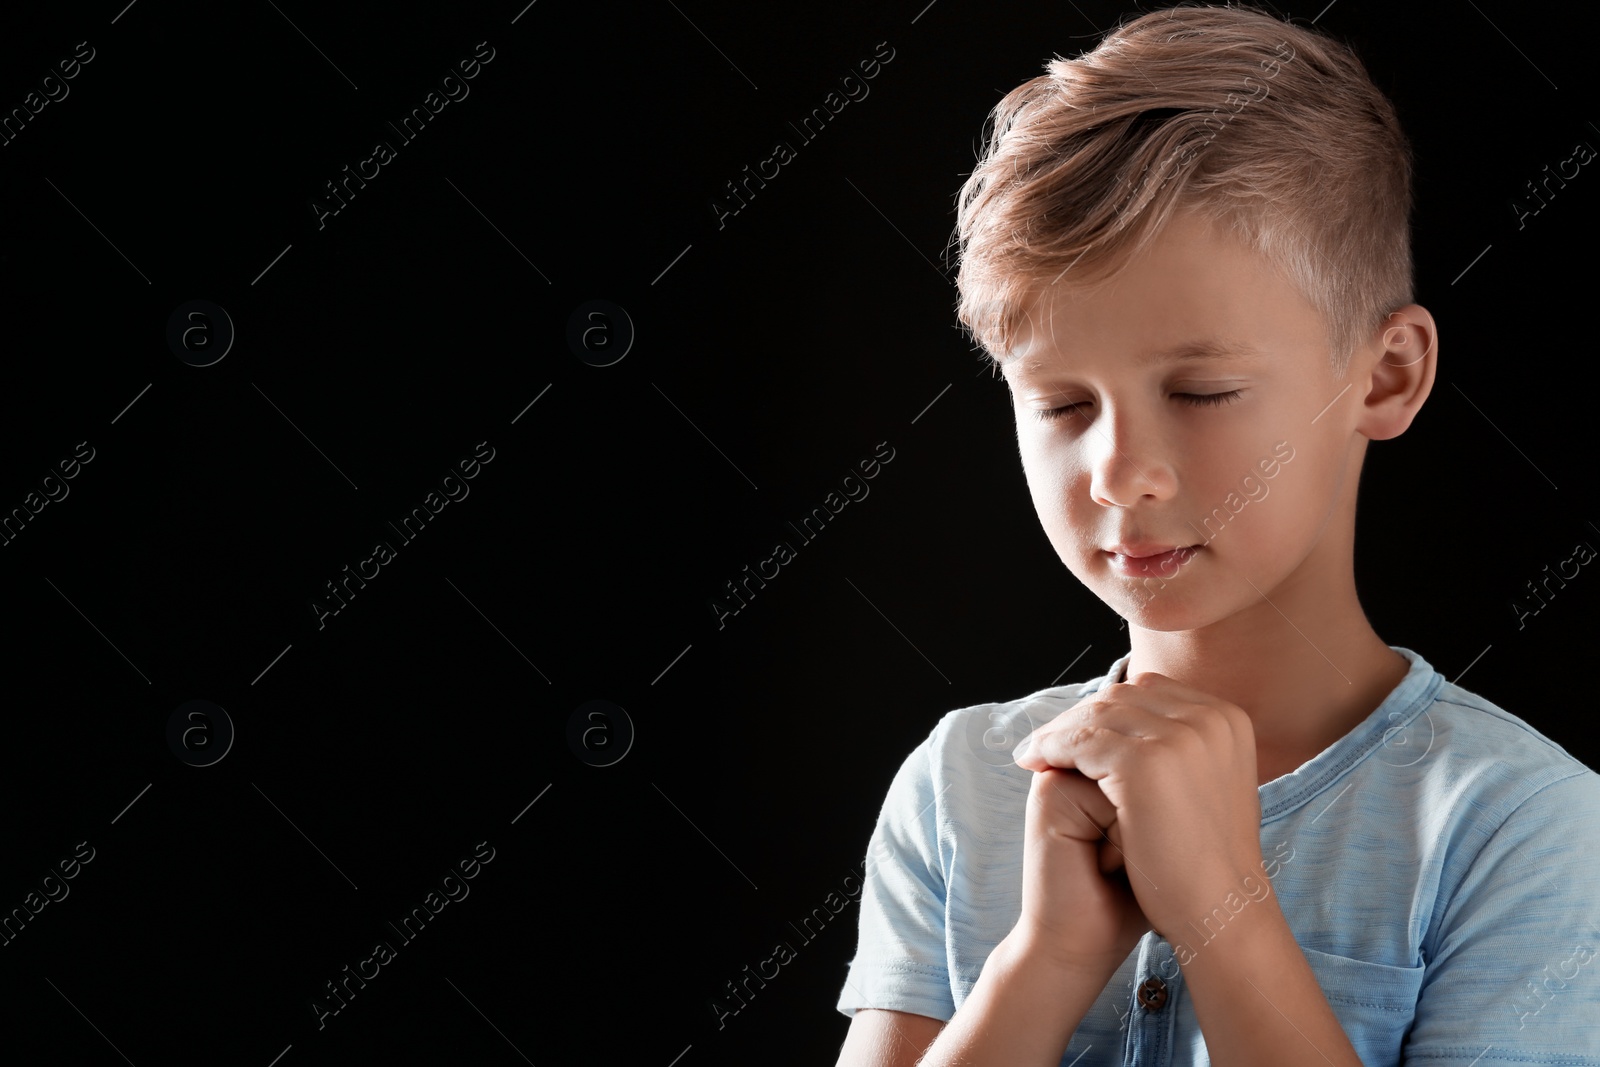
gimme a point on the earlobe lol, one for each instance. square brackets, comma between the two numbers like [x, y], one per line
[1402, 376]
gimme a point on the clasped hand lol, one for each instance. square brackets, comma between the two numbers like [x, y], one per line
[1143, 814]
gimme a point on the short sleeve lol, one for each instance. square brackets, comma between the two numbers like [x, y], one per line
[900, 961]
[1515, 973]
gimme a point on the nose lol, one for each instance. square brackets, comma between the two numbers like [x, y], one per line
[1128, 461]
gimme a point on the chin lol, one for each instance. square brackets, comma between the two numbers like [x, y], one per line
[1167, 611]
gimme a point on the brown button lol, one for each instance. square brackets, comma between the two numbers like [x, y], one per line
[1152, 994]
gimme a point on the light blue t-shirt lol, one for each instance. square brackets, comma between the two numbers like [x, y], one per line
[1439, 866]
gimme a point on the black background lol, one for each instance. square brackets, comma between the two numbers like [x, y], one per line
[773, 353]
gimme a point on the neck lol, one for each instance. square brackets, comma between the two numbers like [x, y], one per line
[1306, 670]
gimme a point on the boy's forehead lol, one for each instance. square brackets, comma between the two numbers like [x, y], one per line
[1191, 294]
[1039, 358]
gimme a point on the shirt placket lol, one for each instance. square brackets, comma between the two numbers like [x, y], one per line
[1152, 1015]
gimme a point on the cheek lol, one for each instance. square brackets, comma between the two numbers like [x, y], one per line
[1051, 482]
[1294, 509]
[1060, 492]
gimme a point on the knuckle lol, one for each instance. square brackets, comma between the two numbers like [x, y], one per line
[1082, 734]
[1096, 708]
[1190, 735]
[1240, 722]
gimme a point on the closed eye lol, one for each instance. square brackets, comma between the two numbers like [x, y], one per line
[1192, 399]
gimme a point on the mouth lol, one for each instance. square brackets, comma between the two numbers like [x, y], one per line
[1138, 561]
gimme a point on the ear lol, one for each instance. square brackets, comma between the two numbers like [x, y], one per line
[1398, 364]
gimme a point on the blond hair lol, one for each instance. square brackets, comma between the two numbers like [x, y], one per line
[1274, 131]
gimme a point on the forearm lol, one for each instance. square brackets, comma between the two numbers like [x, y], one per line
[1021, 1012]
[1256, 999]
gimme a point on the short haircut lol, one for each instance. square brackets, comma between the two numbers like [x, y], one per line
[1272, 130]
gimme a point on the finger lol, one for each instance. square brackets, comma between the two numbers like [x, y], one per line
[1020, 756]
[1072, 805]
[1147, 711]
[1080, 811]
[1185, 704]
[1091, 747]
[1181, 699]
[1124, 709]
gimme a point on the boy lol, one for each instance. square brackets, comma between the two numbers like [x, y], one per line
[1264, 836]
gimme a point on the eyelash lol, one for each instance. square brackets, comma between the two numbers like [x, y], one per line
[1192, 399]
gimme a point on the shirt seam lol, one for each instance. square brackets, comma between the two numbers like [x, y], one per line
[1426, 697]
[1457, 1051]
[902, 965]
[1424, 946]
[1501, 715]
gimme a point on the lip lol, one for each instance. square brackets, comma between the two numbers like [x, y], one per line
[1145, 559]
[1142, 549]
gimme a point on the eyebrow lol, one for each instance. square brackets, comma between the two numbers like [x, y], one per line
[1184, 352]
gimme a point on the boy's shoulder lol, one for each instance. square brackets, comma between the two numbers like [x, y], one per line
[1484, 723]
[1471, 734]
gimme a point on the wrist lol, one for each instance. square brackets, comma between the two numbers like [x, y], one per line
[1255, 930]
[1222, 900]
[1024, 1008]
[1023, 951]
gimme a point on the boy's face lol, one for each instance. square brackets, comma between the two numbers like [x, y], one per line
[1264, 482]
